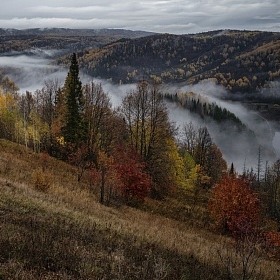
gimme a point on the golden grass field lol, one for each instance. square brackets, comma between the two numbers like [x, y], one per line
[64, 233]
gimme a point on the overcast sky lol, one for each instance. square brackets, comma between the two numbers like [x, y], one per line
[164, 16]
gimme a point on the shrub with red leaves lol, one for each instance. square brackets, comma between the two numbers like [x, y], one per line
[234, 207]
[134, 182]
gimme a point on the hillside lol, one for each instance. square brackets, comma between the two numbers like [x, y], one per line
[242, 61]
[65, 40]
[63, 233]
[55, 216]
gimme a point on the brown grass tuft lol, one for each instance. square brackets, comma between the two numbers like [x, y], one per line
[42, 180]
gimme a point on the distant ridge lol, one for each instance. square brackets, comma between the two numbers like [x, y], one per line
[241, 61]
[75, 32]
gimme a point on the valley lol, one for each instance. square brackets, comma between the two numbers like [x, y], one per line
[134, 155]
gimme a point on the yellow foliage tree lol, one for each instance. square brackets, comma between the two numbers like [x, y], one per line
[8, 115]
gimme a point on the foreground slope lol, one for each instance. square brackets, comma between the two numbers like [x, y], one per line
[64, 233]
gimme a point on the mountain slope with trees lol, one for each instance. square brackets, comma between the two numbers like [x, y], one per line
[242, 61]
[62, 39]
[125, 156]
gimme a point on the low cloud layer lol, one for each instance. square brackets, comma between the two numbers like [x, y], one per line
[172, 16]
[237, 147]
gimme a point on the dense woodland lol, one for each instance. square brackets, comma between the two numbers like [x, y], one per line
[240, 61]
[133, 152]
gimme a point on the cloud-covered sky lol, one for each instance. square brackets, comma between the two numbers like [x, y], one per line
[164, 16]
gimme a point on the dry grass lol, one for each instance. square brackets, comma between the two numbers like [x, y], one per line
[65, 234]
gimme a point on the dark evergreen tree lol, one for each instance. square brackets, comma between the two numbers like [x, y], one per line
[232, 170]
[74, 129]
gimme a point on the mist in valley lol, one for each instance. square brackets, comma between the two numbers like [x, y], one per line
[31, 72]
[237, 147]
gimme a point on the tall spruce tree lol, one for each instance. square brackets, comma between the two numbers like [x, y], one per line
[73, 130]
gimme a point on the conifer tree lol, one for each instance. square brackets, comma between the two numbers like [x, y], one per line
[73, 130]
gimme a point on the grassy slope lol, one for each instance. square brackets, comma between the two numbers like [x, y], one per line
[65, 234]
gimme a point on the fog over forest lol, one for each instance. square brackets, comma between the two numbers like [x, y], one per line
[31, 71]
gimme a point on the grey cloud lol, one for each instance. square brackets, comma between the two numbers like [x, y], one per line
[174, 16]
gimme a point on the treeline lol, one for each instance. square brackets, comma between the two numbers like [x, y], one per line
[201, 106]
[25, 42]
[64, 39]
[242, 61]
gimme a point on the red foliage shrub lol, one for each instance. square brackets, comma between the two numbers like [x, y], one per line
[234, 207]
[134, 182]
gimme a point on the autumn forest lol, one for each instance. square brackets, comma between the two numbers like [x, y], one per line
[133, 156]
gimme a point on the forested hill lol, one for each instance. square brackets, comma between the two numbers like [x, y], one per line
[242, 61]
[68, 40]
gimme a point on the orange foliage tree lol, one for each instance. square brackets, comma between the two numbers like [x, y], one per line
[234, 207]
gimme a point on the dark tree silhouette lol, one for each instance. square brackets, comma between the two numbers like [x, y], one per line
[74, 129]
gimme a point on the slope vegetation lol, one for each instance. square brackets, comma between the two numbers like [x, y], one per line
[63, 233]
